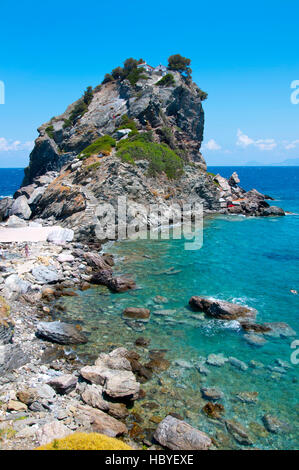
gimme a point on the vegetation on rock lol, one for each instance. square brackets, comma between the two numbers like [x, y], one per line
[80, 108]
[180, 64]
[167, 80]
[102, 145]
[50, 131]
[160, 157]
[85, 441]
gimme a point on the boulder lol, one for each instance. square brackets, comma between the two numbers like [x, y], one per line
[15, 221]
[15, 405]
[122, 385]
[65, 258]
[100, 421]
[238, 432]
[217, 360]
[25, 191]
[175, 434]
[141, 314]
[211, 393]
[36, 196]
[115, 284]
[59, 332]
[50, 431]
[237, 363]
[221, 309]
[60, 235]
[63, 384]
[273, 211]
[21, 208]
[255, 340]
[279, 329]
[11, 357]
[97, 261]
[273, 424]
[234, 180]
[16, 284]
[44, 274]
[93, 396]
[5, 206]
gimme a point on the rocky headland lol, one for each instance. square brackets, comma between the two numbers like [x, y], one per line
[137, 136]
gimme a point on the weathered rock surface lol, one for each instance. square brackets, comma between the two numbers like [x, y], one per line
[141, 314]
[211, 393]
[5, 206]
[175, 434]
[50, 431]
[221, 309]
[60, 236]
[16, 284]
[64, 383]
[59, 332]
[115, 284]
[11, 357]
[239, 433]
[44, 274]
[100, 421]
[20, 208]
[273, 424]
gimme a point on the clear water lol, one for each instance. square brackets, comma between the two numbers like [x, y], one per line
[252, 261]
[10, 180]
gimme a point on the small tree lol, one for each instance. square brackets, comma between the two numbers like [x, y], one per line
[108, 78]
[180, 64]
[130, 64]
[117, 73]
[88, 94]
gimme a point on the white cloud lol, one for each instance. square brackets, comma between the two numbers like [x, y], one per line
[15, 145]
[212, 145]
[263, 144]
[290, 145]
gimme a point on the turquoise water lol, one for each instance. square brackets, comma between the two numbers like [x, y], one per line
[251, 261]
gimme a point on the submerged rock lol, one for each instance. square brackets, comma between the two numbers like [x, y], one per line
[239, 433]
[211, 393]
[59, 332]
[273, 424]
[175, 434]
[141, 314]
[213, 410]
[221, 309]
[237, 363]
[115, 284]
[248, 397]
[273, 211]
[255, 340]
[217, 360]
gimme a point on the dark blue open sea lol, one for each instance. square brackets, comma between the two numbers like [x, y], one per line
[252, 261]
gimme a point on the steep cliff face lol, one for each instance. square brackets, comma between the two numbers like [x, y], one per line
[173, 113]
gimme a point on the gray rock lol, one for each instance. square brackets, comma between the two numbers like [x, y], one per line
[239, 433]
[45, 275]
[221, 309]
[60, 236]
[247, 397]
[93, 396]
[11, 357]
[14, 221]
[279, 329]
[64, 383]
[273, 211]
[273, 424]
[101, 422]
[175, 434]
[255, 340]
[15, 284]
[237, 363]
[59, 332]
[5, 206]
[217, 360]
[50, 431]
[21, 208]
[211, 393]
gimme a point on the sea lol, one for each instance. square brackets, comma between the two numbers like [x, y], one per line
[247, 260]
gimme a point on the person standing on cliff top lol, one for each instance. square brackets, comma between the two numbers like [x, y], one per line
[26, 250]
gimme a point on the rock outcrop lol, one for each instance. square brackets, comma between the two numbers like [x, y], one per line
[221, 309]
[64, 183]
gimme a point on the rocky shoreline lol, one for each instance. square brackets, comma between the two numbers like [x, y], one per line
[47, 391]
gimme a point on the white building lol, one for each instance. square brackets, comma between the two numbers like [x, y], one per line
[161, 69]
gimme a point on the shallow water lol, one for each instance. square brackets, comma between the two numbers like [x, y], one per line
[251, 261]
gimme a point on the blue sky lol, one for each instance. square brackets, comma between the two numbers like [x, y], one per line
[245, 57]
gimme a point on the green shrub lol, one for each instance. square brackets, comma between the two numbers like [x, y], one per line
[80, 108]
[167, 80]
[102, 145]
[50, 131]
[94, 166]
[202, 94]
[107, 78]
[161, 158]
[128, 123]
